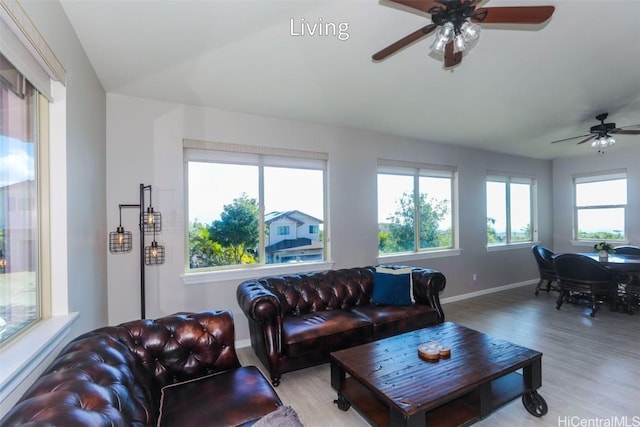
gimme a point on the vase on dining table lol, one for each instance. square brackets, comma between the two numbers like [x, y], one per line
[604, 255]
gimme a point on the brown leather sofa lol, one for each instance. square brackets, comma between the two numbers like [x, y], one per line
[179, 370]
[295, 321]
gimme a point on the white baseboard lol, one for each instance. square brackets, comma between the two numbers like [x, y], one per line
[243, 343]
[488, 291]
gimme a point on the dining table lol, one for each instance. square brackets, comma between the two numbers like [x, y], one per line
[619, 262]
[628, 267]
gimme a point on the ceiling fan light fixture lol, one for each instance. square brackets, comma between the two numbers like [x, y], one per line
[439, 45]
[459, 44]
[446, 31]
[470, 31]
[445, 34]
[602, 142]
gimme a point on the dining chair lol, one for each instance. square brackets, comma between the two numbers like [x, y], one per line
[627, 250]
[580, 276]
[631, 289]
[544, 258]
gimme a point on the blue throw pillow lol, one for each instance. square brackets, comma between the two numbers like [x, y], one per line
[391, 289]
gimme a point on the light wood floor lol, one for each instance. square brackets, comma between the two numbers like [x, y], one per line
[590, 366]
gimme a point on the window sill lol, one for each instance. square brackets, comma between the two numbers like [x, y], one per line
[589, 243]
[251, 273]
[415, 256]
[22, 357]
[498, 248]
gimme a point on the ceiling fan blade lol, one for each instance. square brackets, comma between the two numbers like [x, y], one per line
[587, 139]
[569, 139]
[405, 41]
[513, 14]
[627, 130]
[451, 59]
[422, 5]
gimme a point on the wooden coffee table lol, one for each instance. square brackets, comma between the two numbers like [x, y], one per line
[390, 385]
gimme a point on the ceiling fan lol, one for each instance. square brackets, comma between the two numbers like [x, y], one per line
[458, 24]
[600, 135]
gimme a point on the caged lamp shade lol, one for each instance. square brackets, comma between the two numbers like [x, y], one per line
[151, 221]
[154, 254]
[120, 241]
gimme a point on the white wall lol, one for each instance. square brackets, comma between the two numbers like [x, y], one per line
[624, 155]
[144, 145]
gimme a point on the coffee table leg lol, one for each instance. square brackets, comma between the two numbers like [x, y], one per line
[396, 419]
[338, 376]
[532, 401]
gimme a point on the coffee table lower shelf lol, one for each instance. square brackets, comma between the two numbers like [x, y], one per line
[464, 410]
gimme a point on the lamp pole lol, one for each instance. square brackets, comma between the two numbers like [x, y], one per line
[140, 206]
[142, 244]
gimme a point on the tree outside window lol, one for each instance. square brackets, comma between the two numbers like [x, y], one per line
[509, 210]
[414, 209]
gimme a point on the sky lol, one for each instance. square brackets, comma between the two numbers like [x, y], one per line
[211, 186]
[16, 161]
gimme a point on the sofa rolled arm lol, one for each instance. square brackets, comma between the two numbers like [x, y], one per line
[427, 285]
[264, 313]
[257, 302]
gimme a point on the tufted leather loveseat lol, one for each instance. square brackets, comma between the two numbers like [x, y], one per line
[295, 321]
[179, 370]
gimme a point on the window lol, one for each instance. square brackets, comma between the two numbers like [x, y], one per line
[600, 206]
[30, 74]
[415, 207]
[264, 213]
[510, 207]
[20, 237]
[283, 230]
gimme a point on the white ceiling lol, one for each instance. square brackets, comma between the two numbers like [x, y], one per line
[514, 92]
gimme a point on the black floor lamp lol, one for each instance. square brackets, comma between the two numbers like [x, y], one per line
[121, 241]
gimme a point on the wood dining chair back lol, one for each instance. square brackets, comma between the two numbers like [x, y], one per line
[544, 259]
[631, 288]
[579, 276]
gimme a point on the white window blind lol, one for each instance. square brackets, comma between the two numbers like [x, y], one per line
[23, 45]
[220, 152]
[401, 167]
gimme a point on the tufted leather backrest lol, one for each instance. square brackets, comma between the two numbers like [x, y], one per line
[325, 290]
[181, 346]
[112, 376]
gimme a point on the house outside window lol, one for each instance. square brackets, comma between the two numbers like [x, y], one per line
[20, 202]
[510, 209]
[600, 206]
[262, 214]
[415, 207]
